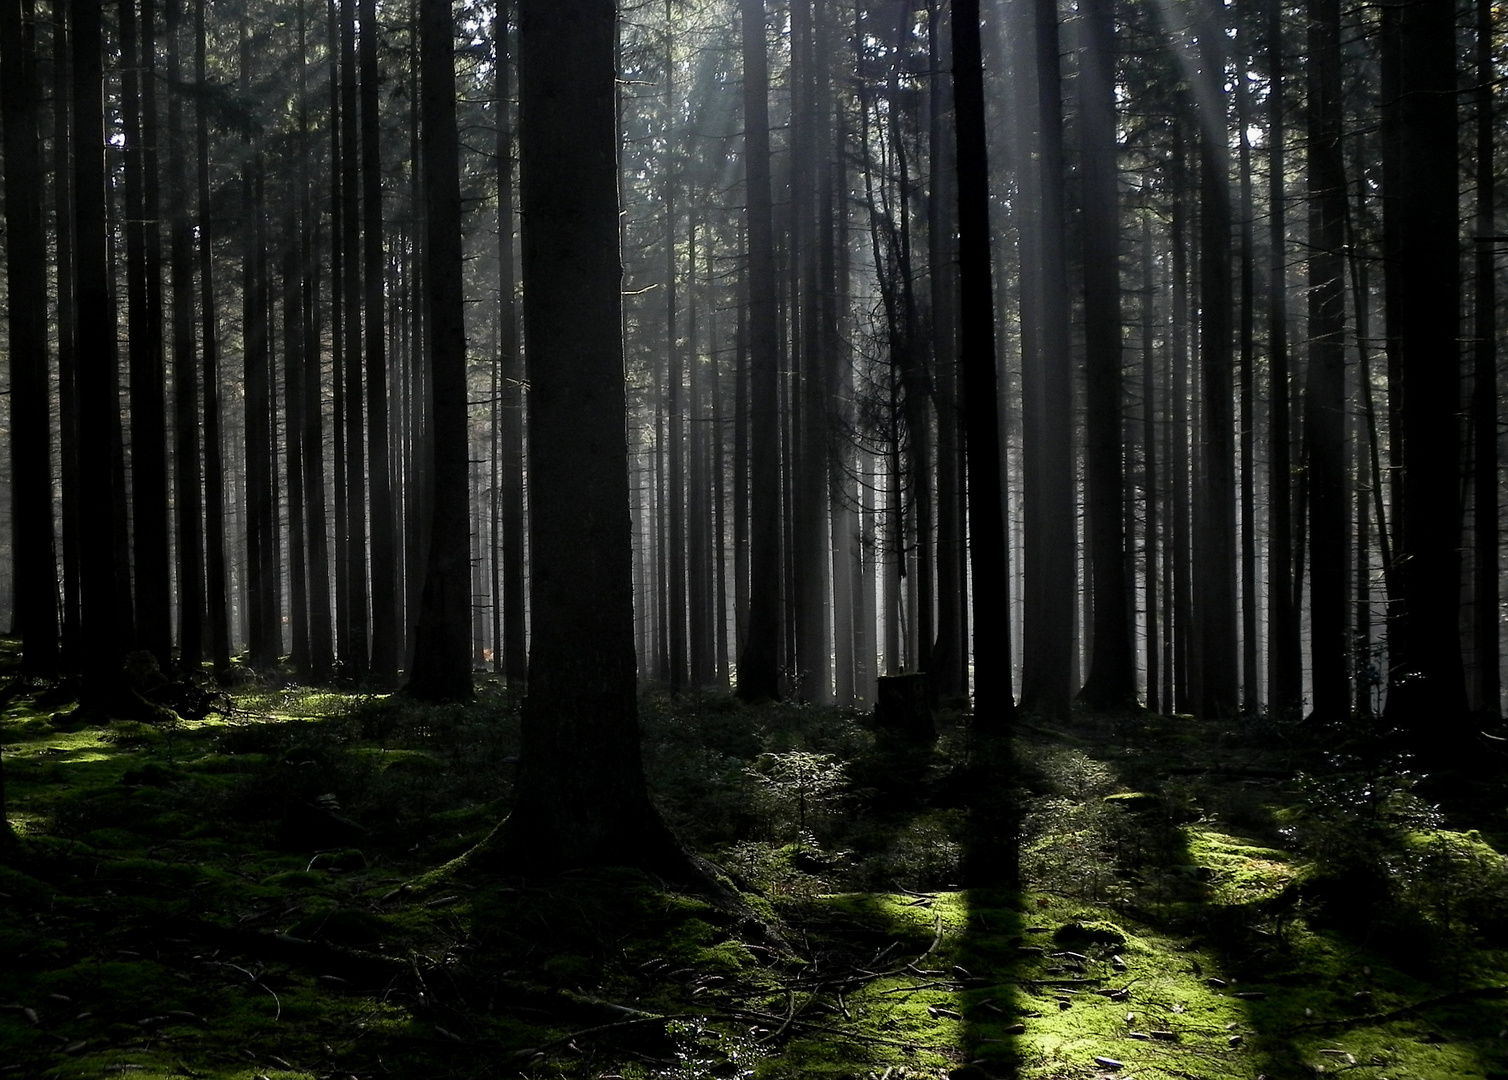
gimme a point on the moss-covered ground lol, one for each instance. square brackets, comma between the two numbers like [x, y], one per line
[274, 891]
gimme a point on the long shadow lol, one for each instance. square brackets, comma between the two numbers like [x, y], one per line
[1281, 973]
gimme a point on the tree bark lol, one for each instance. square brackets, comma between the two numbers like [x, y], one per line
[581, 793]
[442, 650]
[387, 626]
[1426, 689]
[1111, 683]
[759, 662]
[32, 543]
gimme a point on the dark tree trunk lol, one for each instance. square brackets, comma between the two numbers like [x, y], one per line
[759, 662]
[1251, 690]
[217, 588]
[355, 646]
[1156, 698]
[387, 626]
[1284, 682]
[1325, 390]
[1215, 553]
[1487, 619]
[674, 510]
[149, 488]
[35, 565]
[515, 656]
[1426, 688]
[1112, 672]
[105, 630]
[294, 361]
[1047, 392]
[994, 707]
[68, 405]
[581, 793]
[442, 648]
[946, 661]
[321, 640]
[187, 499]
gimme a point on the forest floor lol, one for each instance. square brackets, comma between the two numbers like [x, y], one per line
[275, 890]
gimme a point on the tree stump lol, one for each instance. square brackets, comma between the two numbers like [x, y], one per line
[903, 709]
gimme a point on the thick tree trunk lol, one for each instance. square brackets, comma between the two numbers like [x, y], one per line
[581, 793]
[1426, 689]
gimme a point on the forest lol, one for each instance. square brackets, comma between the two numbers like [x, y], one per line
[886, 539]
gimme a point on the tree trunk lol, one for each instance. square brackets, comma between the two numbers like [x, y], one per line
[355, 646]
[1325, 390]
[1284, 684]
[1426, 688]
[581, 793]
[1486, 624]
[1112, 672]
[1047, 397]
[994, 707]
[105, 631]
[759, 663]
[32, 542]
[1215, 553]
[442, 649]
[515, 655]
[387, 626]
[217, 586]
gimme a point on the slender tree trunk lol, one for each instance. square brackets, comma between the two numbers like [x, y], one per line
[187, 476]
[1251, 687]
[515, 656]
[675, 410]
[442, 654]
[1156, 699]
[356, 645]
[321, 638]
[32, 537]
[1284, 685]
[1112, 672]
[105, 631]
[1215, 553]
[759, 663]
[1325, 391]
[386, 624]
[1047, 393]
[994, 707]
[294, 362]
[68, 389]
[149, 499]
[1486, 628]
[217, 587]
